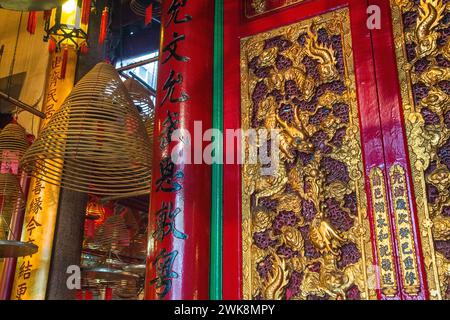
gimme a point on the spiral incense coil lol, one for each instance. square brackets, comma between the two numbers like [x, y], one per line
[141, 97]
[137, 248]
[96, 142]
[94, 209]
[10, 189]
[139, 7]
[13, 142]
[11, 200]
[112, 236]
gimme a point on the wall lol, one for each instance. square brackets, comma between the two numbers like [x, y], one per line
[31, 57]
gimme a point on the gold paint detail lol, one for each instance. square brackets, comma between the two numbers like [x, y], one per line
[294, 241]
[423, 55]
[31, 276]
[383, 236]
[404, 231]
[261, 7]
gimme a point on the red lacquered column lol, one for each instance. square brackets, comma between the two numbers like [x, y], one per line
[180, 204]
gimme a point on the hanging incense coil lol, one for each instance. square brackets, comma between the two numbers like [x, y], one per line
[11, 200]
[137, 248]
[141, 97]
[96, 142]
[13, 143]
[112, 235]
[139, 7]
[94, 209]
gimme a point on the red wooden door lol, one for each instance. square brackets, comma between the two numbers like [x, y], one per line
[337, 219]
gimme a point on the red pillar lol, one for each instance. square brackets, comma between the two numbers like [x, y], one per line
[180, 204]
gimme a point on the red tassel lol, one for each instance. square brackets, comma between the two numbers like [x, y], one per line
[149, 15]
[64, 63]
[88, 295]
[79, 295]
[47, 15]
[104, 26]
[86, 11]
[32, 22]
[108, 294]
[51, 46]
[84, 49]
[89, 228]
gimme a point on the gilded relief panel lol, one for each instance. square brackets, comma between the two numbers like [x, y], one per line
[305, 228]
[421, 30]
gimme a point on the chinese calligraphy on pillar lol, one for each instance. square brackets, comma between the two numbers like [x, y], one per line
[385, 256]
[30, 281]
[180, 201]
[405, 238]
[170, 179]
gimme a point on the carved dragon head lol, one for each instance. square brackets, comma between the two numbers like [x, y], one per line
[326, 57]
[430, 14]
[296, 133]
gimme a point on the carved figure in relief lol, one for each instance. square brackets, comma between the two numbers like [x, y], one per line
[326, 56]
[330, 280]
[277, 280]
[431, 12]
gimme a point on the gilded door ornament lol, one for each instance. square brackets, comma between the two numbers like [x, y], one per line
[255, 8]
[305, 228]
[421, 30]
[383, 236]
[259, 6]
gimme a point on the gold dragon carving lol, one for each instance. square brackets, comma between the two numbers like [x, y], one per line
[421, 32]
[305, 229]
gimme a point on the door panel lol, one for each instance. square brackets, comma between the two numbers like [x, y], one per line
[359, 206]
[421, 32]
[309, 231]
[305, 233]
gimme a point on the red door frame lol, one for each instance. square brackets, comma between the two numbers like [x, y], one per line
[237, 27]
